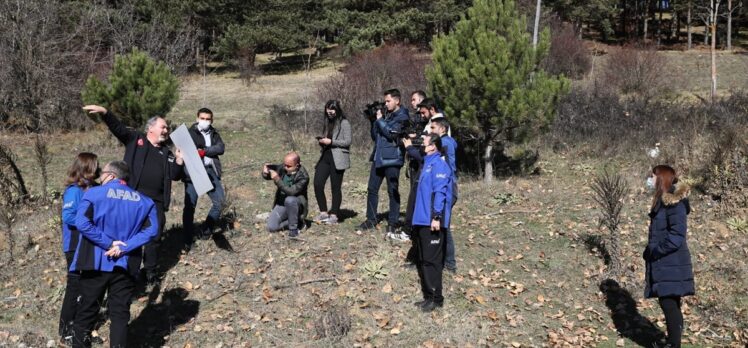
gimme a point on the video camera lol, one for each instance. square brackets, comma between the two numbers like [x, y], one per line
[371, 110]
[415, 126]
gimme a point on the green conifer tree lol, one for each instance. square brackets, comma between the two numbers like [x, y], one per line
[487, 75]
[137, 88]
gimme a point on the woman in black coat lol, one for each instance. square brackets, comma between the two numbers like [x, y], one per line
[668, 262]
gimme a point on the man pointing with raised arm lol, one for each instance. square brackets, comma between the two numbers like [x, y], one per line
[152, 168]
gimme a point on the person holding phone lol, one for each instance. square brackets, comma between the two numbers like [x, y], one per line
[333, 161]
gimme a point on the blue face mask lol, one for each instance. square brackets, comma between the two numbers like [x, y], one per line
[651, 184]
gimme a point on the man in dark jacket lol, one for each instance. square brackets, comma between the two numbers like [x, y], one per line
[209, 146]
[114, 221]
[290, 204]
[152, 168]
[386, 159]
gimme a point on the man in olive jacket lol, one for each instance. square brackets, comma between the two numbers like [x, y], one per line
[152, 168]
[290, 205]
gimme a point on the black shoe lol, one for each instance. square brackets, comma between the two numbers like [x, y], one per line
[152, 278]
[450, 268]
[430, 306]
[420, 303]
[293, 233]
[66, 341]
[366, 225]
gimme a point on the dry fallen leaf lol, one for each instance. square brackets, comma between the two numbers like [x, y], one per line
[387, 288]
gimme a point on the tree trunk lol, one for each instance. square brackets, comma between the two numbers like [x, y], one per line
[659, 22]
[645, 16]
[537, 24]
[488, 164]
[688, 25]
[729, 25]
[714, 14]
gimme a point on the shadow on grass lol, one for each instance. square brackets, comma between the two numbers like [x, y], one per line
[629, 323]
[161, 319]
[221, 242]
[346, 214]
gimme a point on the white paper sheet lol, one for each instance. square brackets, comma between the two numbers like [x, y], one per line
[192, 161]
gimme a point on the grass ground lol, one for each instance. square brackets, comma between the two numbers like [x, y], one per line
[527, 274]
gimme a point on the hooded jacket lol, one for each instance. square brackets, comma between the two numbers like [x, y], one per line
[668, 261]
[135, 152]
[108, 213]
[388, 151]
[434, 193]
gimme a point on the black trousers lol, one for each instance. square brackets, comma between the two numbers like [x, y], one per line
[412, 255]
[70, 301]
[150, 254]
[120, 286]
[673, 319]
[431, 251]
[326, 169]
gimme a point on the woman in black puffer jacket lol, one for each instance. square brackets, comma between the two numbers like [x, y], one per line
[668, 262]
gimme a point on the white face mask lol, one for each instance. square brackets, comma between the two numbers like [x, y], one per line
[203, 125]
[651, 184]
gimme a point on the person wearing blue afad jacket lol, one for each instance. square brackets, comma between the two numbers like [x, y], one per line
[431, 218]
[669, 273]
[114, 222]
[449, 150]
[80, 176]
[387, 157]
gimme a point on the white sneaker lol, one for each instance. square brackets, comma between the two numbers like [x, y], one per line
[321, 218]
[400, 237]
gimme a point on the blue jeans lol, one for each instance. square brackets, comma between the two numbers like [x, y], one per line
[376, 176]
[190, 201]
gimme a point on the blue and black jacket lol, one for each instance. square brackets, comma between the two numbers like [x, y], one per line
[70, 199]
[108, 213]
[388, 151]
[434, 194]
[449, 148]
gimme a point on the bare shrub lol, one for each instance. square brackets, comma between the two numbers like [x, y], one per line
[366, 76]
[638, 70]
[725, 172]
[12, 193]
[334, 323]
[568, 55]
[43, 159]
[46, 50]
[126, 26]
[609, 191]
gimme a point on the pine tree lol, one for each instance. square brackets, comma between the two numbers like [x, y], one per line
[137, 88]
[487, 75]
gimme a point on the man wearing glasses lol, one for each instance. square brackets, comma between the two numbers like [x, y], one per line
[290, 204]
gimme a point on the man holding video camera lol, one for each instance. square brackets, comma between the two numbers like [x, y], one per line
[387, 158]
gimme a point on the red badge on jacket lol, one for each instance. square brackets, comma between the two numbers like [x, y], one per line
[140, 142]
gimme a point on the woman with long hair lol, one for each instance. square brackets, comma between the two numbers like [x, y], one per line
[80, 176]
[335, 143]
[669, 274]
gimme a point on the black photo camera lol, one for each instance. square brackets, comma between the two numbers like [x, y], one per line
[274, 167]
[371, 110]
